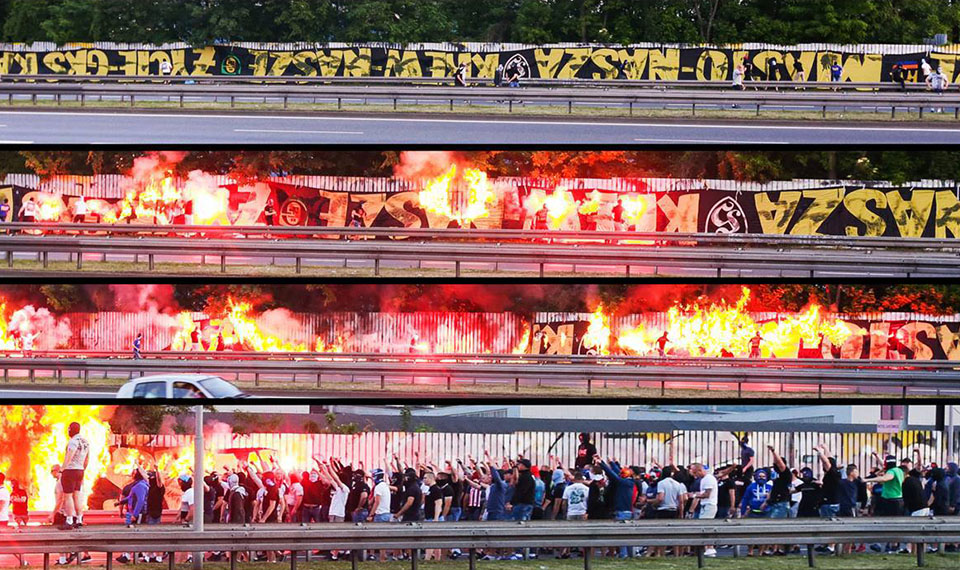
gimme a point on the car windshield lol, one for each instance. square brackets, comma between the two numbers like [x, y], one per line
[220, 388]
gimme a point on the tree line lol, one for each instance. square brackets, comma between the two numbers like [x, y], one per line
[526, 21]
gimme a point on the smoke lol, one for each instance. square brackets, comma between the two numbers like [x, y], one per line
[425, 163]
[156, 300]
[145, 168]
[279, 323]
[49, 332]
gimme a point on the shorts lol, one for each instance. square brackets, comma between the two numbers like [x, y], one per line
[71, 480]
[335, 518]
[889, 507]
[707, 512]
[829, 511]
[384, 517]
[666, 514]
[576, 517]
[779, 510]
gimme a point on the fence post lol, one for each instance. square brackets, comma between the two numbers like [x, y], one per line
[811, 561]
[516, 384]
[693, 109]
[456, 265]
[448, 383]
[319, 378]
[298, 266]
[473, 559]
[383, 382]
[376, 266]
[700, 556]
[150, 261]
[920, 548]
[414, 559]
[587, 557]
[589, 385]
[223, 263]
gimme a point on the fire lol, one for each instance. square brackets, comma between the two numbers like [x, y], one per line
[699, 330]
[523, 346]
[591, 206]
[182, 340]
[159, 199]
[436, 195]
[559, 205]
[322, 346]
[49, 424]
[49, 208]
[7, 342]
[250, 334]
[597, 336]
[633, 208]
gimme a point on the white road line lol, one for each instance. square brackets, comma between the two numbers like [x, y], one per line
[710, 141]
[892, 128]
[298, 132]
[15, 142]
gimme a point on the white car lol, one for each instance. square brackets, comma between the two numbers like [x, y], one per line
[179, 386]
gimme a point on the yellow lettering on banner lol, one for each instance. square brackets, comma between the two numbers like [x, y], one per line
[281, 61]
[261, 61]
[77, 60]
[606, 60]
[948, 215]
[402, 64]
[775, 216]
[911, 339]
[485, 64]
[824, 60]
[304, 62]
[372, 206]
[856, 203]
[824, 203]
[578, 57]
[54, 61]
[128, 65]
[721, 65]
[949, 342]
[879, 335]
[328, 61]
[911, 215]
[28, 63]
[98, 62]
[548, 61]
[761, 58]
[396, 206]
[356, 62]
[947, 61]
[681, 216]
[647, 222]
[441, 63]
[178, 62]
[636, 62]
[205, 62]
[807, 60]
[862, 67]
[559, 342]
[336, 214]
[852, 347]
[664, 64]
[143, 62]
[159, 57]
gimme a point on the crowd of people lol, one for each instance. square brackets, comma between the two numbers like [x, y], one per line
[593, 487]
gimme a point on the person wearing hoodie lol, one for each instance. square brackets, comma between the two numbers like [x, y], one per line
[754, 501]
[585, 452]
[135, 499]
[952, 481]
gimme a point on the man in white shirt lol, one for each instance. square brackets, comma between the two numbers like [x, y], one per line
[75, 461]
[707, 497]
[670, 494]
[575, 497]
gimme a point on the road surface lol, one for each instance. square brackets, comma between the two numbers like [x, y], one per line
[194, 127]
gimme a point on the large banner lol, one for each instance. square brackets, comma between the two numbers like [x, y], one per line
[836, 210]
[896, 340]
[589, 62]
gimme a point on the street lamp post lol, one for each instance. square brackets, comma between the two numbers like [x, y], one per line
[198, 482]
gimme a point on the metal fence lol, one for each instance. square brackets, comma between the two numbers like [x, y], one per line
[631, 448]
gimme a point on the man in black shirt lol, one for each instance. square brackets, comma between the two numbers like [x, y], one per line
[523, 495]
[356, 507]
[779, 500]
[410, 498]
[830, 501]
[912, 488]
[585, 452]
[810, 494]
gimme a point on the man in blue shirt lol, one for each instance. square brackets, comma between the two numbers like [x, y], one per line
[623, 493]
[137, 346]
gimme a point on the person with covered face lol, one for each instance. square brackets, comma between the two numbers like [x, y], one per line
[624, 488]
[585, 452]
[313, 490]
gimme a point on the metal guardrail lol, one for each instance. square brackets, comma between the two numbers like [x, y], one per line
[473, 536]
[542, 370]
[822, 98]
[477, 234]
[765, 254]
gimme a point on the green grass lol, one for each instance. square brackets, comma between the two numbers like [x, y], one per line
[462, 107]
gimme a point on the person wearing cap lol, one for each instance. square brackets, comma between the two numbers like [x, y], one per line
[411, 497]
[524, 493]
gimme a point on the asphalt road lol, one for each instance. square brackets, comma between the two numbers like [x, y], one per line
[165, 127]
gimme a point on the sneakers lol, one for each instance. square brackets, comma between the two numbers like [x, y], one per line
[710, 552]
[122, 559]
[85, 558]
[489, 557]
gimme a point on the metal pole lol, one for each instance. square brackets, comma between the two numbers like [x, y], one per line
[950, 428]
[198, 482]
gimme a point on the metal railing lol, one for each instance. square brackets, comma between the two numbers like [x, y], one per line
[518, 369]
[473, 536]
[785, 95]
[665, 253]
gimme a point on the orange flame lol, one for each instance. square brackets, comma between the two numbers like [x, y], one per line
[597, 337]
[435, 197]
